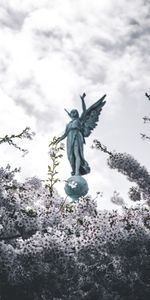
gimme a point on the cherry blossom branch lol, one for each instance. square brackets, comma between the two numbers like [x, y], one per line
[97, 145]
[24, 134]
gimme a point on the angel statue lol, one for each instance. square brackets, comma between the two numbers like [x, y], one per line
[79, 128]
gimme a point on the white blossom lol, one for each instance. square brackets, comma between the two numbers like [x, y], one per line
[72, 184]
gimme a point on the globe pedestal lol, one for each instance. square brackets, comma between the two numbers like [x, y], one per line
[76, 186]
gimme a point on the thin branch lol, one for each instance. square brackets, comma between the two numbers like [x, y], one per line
[146, 119]
[144, 136]
[24, 134]
[62, 204]
[97, 145]
[10, 237]
[148, 96]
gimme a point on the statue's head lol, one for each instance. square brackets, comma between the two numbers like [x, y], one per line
[74, 114]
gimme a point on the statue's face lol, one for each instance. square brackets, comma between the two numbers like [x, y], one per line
[74, 114]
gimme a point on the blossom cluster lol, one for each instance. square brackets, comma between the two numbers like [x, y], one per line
[127, 165]
[51, 248]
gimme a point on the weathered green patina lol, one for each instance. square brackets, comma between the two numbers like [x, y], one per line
[77, 130]
[76, 187]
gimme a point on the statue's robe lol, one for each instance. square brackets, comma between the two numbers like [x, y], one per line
[75, 140]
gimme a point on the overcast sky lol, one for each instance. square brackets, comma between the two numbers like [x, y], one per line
[53, 51]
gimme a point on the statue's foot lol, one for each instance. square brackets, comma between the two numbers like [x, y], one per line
[72, 173]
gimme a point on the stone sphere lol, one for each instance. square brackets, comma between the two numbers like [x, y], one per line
[76, 187]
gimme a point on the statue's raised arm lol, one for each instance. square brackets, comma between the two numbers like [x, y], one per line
[90, 116]
[83, 102]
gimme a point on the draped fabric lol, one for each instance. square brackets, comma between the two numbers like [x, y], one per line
[75, 141]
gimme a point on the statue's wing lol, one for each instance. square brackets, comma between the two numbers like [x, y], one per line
[90, 116]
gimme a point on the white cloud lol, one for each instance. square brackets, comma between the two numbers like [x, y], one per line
[52, 51]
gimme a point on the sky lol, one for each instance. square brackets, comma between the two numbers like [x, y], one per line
[53, 51]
